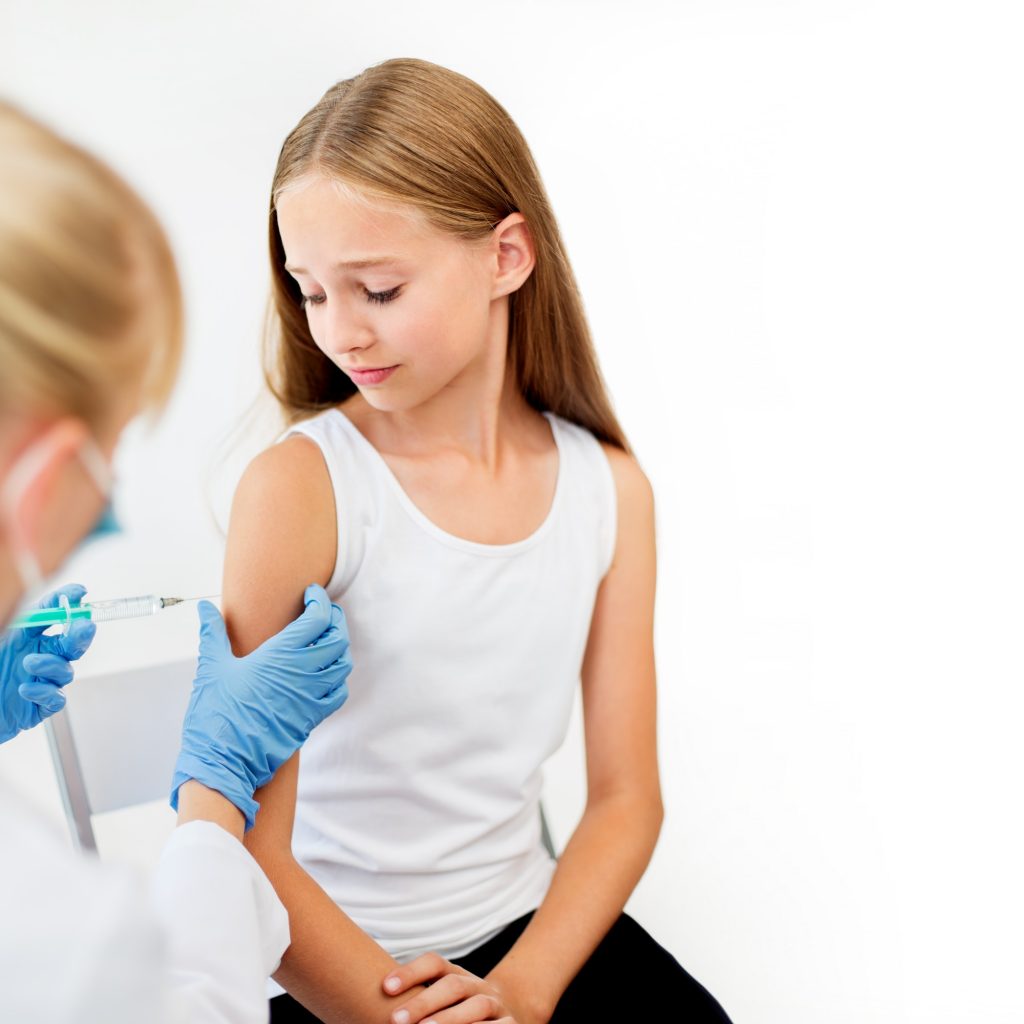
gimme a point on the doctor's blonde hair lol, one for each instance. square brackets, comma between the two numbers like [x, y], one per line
[77, 246]
[411, 133]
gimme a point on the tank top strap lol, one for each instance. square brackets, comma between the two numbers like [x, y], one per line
[357, 486]
[590, 487]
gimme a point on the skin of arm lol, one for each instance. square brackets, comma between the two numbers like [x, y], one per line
[197, 802]
[615, 838]
[282, 536]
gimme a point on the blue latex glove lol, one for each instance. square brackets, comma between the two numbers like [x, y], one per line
[248, 715]
[34, 667]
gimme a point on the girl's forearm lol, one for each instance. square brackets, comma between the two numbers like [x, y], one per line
[197, 802]
[332, 966]
[598, 870]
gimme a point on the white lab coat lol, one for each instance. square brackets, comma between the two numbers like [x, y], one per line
[86, 942]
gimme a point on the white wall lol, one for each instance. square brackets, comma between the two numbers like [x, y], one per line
[797, 228]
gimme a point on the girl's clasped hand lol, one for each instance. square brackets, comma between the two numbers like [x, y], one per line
[454, 995]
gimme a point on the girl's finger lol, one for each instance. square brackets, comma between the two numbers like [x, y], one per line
[469, 1011]
[426, 967]
[451, 990]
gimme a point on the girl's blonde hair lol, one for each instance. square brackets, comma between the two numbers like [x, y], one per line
[412, 133]
[80, 253]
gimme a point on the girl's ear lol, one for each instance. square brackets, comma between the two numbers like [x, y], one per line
[515, 254]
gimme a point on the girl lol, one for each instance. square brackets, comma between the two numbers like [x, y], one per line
[456, 478]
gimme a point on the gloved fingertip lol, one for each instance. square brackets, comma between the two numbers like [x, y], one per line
[211, 624]
[315, 617]
[80, 636]
[55, 705]
[209, 615]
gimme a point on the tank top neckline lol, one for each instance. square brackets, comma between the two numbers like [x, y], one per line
[462, 543]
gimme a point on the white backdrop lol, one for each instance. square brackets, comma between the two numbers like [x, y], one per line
[797, 228]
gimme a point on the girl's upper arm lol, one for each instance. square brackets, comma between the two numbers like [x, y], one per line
[618, 676]
[282, 537]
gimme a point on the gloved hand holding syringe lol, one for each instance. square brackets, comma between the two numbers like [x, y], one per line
[96, 611]
[35, 664]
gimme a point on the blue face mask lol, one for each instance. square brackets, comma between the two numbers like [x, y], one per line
[98, 469]
[106, 524]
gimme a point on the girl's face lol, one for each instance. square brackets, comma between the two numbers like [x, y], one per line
[383, 290]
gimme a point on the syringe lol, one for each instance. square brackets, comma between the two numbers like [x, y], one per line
[97, 611]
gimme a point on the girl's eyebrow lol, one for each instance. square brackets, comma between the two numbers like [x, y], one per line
[371, 261]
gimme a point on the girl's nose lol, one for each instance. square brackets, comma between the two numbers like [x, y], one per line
[345, 334]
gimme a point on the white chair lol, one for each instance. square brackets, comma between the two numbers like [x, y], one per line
[115, 743]
[545, 834]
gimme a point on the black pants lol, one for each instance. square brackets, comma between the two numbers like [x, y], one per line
[629, 979]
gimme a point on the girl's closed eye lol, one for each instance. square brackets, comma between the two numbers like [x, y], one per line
[378, 297]
[382, 297]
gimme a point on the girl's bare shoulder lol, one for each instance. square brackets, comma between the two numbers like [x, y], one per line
[292, 466]
[632, 486]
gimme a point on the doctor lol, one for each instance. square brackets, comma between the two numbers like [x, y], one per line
[90, 334]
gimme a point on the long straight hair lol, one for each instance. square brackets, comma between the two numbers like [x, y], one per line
[412, 133]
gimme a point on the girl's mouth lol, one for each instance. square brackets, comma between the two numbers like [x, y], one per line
[372, 376]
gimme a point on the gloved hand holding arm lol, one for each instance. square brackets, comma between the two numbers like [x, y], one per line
[226, 928]
[248, 715]
[35, 666]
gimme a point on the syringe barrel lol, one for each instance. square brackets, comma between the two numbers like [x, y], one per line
[125, 608]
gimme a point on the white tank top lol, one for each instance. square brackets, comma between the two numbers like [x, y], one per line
[418, 800]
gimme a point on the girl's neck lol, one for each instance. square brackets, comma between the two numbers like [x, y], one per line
[477, 430]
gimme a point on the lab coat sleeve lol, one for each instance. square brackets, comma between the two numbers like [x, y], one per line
[226, 930]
